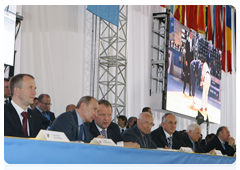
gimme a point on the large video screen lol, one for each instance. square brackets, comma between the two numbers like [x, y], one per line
[9, 34]
[194, 74]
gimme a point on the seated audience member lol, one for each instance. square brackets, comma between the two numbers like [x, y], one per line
[75, 124]
[104, 126]
[70, 107]
[191, 138]
[208, 138]
[183, 131]
[202, 142]
[122, 123]
[222, 141]
[147, 109]
[43, 110]
[35, 103]
[19, 120]
[7, 92]
[131, 121]
[140, 132]
[166, 135]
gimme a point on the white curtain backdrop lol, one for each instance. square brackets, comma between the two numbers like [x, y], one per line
[54, 46]
[52, 50]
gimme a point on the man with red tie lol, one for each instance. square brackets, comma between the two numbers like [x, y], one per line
[19, 120]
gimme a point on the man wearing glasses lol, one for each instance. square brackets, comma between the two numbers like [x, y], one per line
[140, 132]
[43, 110]
[166, 135]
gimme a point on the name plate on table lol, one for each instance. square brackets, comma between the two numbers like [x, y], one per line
[103, 141]
[186, 149]
[217, 152]
[52, 136]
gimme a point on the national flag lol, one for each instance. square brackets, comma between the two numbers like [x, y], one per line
[213, 12]
[218, 28]
[224, 40]
[201, 18]
[229, 38]
[210, 21]
[179, 13]
[191, 16]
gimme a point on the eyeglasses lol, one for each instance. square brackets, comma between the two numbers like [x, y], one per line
[146, 122]
[47, 104]
[105, 115]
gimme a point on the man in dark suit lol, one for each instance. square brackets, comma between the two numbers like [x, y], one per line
[75, 124]
[222, 141]
[140, 132]
[19, 120]
[7, 92]
[191, 138]
[166, 135]
[104, 126]
[43, 110]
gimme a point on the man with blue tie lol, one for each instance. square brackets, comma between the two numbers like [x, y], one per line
[43, 110]
[75, 124]
[222, 141]
[191, 137]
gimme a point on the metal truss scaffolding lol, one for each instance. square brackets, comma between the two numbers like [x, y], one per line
[112, 62]
[159, 62]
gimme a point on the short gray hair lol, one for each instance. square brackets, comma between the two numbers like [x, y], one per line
[192, 127]
[164, 117]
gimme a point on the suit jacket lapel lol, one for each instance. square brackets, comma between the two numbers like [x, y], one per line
[15, 116]
[75, 123]
[139, 135]
[163, 137]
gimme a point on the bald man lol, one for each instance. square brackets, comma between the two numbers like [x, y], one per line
[222, 141]
[140, 132]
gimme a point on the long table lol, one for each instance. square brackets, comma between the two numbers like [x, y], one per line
[31, 151]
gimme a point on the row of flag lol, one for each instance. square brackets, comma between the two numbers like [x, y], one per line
[218, 21]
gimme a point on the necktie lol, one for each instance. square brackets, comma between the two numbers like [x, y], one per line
[122, 130]
[223, 145]
[24, 122]
[103, 133]
[169, 141]
[81, 132]
[45, 113]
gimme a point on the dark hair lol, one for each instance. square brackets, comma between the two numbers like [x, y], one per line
[124, 118]
[6, 79]
[145, 109]
[16, 81]
[35, 98]
[130, 120]
[41, 96]
[105, 103]
[84, 99]
[220, 129]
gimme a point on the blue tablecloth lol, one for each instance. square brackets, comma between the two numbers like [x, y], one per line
[30, 151]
